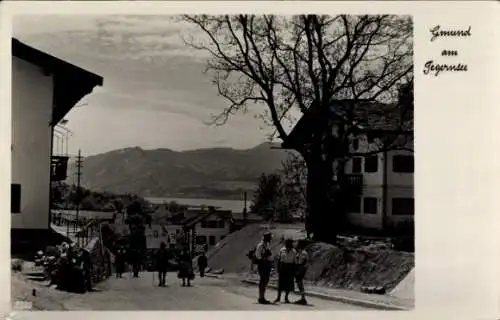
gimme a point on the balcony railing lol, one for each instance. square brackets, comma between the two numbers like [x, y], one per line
[353, 182]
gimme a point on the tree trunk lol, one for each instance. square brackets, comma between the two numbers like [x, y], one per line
[320, 217]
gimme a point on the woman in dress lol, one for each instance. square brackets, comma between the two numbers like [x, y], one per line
[286, 268]
[185, 268]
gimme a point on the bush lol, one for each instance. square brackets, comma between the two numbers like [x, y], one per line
[404, 244]
[405, 228]
[404, 236]
[17, 265]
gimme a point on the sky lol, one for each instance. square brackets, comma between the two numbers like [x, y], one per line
[155, 94]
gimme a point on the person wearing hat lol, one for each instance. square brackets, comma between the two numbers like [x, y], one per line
[263, 256]
[300, 269]
[286, 264]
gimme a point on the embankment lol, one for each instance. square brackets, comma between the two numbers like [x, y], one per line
[348, 266]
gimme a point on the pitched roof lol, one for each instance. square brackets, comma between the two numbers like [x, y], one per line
[366, 115]
[223, 214]
[375, 116]
[71, 83]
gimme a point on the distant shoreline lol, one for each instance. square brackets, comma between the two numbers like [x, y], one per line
[235, 197]
[225, 204]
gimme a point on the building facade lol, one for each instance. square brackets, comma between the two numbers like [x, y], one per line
[212, 230]
[387, 187]
[376, 139]
[32, 94]
[44, 89]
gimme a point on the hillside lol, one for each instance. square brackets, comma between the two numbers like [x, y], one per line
[222, 173]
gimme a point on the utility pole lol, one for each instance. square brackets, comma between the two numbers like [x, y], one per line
[79, 166]
[245, 208]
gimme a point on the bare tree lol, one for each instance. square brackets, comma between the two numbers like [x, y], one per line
[312, 65]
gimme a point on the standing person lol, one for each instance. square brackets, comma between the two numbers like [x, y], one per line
[263, 256]
[185, 268]
[120, 261]
[162, 264]
[87, 269]
[286, 267]
[202, 264]
[135, 260]
[300, 270]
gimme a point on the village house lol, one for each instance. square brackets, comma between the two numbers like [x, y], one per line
[207, 228]
[381, 170]
[387, 195]
[44, 90]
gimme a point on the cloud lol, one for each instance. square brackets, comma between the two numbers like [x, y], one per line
[155, 93]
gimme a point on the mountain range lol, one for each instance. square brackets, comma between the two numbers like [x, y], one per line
[220, 173]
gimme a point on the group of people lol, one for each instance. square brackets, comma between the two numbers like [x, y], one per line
[291, 264]
[67, 266]
[162, 258]
[186, 271]
[126, 256]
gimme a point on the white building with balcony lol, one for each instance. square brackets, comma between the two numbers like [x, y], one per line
[44, 89]
[377, 141]
[387, 188]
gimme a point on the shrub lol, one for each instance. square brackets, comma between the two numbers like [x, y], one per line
[17, 265]
[405, 228]
[404, 244]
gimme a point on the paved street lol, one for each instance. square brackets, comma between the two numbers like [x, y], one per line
[205, 294]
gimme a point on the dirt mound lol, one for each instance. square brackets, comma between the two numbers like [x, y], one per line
[230, 253]
[352, 268]
[347, 266]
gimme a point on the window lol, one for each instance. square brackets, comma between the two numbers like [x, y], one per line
[403, 206]
[211, 240]
[403, 164]
[201, 239]
[222, 224]
[155, 234]
[212, 224]
[371, 164]
[355, 144]
[204, 224]
[370, 205]
[356, 165]
[15, 198]
[354, 205]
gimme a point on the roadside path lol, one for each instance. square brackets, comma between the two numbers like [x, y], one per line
[205, 294]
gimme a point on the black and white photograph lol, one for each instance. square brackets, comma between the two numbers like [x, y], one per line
[212, 162]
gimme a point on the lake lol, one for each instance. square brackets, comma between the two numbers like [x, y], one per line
[233, 205]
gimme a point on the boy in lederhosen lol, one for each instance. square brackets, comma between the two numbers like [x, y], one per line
[263, 256]
[300, 270]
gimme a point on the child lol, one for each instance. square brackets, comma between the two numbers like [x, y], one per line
[300, 270]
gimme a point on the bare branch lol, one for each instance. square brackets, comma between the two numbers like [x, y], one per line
[303, 62]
